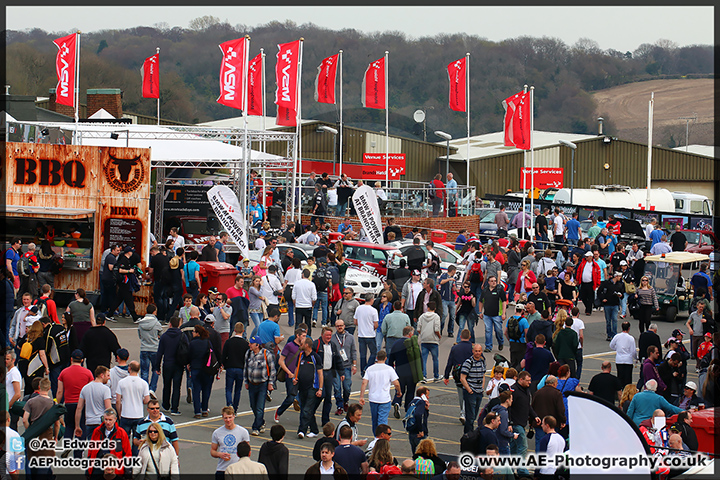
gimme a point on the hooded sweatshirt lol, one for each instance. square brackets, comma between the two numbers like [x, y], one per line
[168, 346]
[274, 455]
[149, 330]
[428, 324]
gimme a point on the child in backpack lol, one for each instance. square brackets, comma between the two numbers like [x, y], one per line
[491, 390]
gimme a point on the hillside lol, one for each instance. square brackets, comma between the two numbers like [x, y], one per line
[626, 108]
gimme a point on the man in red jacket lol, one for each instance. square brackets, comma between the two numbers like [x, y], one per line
[121, 449]
[439, 194]
[588, 275]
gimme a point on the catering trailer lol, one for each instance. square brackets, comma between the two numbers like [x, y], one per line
[81, 199]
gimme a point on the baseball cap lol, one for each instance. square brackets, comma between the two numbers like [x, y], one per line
[623, 262]
[416, 272]
[262, 233]
[77, 354]
[691, 385]
[213, 290]
[617, 274]
[504, 387]
[209, 318]
[677, 332]
[246, 260]
[708, 334]
[127, 249]
[588, 254]
[122, 354]
[672, 340]
[256, 339]
[519, 307]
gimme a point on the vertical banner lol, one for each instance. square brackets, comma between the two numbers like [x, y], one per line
[151, 77]
[325, 80]
[286, 69]
[373, 85]
[457, 77]
[255, 86]
[65, 67]
[368, 211]
[517, 121]
[225, 204]
[231, 77]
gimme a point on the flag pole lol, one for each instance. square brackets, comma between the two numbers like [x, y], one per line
[532, 161]
[246, 189]
[651, 104]
[467, 100]
[157, 51]
[298, 127]
[341, 112]
[522, 177]
[387, 128]
[77, 80]
[262, 95]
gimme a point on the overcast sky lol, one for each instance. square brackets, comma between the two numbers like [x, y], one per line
[620, 28]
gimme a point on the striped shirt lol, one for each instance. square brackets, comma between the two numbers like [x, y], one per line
[475, 372]
[259, 367]
[167, 425]
[647, 296]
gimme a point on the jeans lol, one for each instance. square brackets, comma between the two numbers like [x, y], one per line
[304, 315]
[257, 318]
[256, 394]
[539, 434]
[611, 316]
[291, 312]
[379, 413]
[623, 304]
[518, 446]
[425, 349]
[321, 302]
[464, 318]
[70, 424]
[129, 424]
[490, 323]
[415, 441]
[54, 375]
[342, 388]
[292, 393]
[578, 363]
[161, 301]
[147, 360]
[407, 388]
[472, 409]
[201, 390]
[172, 380]
[363, 345]
[476, 289]
[461, 400]
[448, 316]
[233, 378]
[379, 340]
[341, 209]
[328, 380]
[309, 403]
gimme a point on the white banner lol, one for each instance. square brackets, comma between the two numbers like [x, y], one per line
[225, 204]
[368, 211]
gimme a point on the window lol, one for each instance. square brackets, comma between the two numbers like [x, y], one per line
[707, 239]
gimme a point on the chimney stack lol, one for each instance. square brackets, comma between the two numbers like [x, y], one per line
[108, 98]
[61, 109]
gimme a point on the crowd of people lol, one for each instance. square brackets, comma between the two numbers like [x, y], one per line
[68, 356]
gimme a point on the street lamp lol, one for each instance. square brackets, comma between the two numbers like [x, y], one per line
[572, 147]
[447, 137]
[325, 128]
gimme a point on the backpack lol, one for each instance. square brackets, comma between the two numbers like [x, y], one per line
[212, 365]
[23, 266]
[409, 419]
[431, 191]
[42, 306]
[56, 264]
[182, 353]
[434, 264]
[704, 363]
[476, 275]
[468, 442]
[320, 278]
[513, 328]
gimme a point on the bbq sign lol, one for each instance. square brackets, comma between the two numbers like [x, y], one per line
[124, 174]
[49, 172]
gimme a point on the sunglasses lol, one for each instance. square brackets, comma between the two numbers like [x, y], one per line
[153, 431]
[153, 408]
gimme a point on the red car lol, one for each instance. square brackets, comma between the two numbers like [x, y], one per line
[700, 241]
[371, 257]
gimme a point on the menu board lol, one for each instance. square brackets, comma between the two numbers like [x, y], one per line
[123, 232]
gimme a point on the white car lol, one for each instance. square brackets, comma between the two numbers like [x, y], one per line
[447, 255]
[361, 282]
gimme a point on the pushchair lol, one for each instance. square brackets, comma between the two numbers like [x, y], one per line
[562, 303]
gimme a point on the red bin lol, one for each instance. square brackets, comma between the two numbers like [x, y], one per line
[335, 236]
[438, 236]
[703, 422]
[220, 275]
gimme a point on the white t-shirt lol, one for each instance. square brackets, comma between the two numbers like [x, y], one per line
[13, 375]
[133, 390]
[366, 315]
[227, 442]
[178, 242]
[555, 446]
[94, 395]
[293, 275]
[415, 289]
[577, 326]
[270, 283]
[380, 377]
[14, 461]
[558, 223]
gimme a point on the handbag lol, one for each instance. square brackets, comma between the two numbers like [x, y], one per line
[630, 287]
[281, 374]
[527, 284]
[335, 294]
[157, 470]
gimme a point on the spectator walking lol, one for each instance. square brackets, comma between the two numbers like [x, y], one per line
[259, 374]
[366, 321]
[274, 454]
[588, 273]
[465, 307]
[224, 442]
[136, 393]
[149, 331]
[156, 417]
[429, 335]
[304, 295]
[416, 418]
[610, 293]
[502, 221]
[402, 361]
[349, 456]
[98, 344]
[158, 458]
[233, 362]
[94, 399]
[521, 412]
[447, 286]
[34, 409]
[110, 430]
[377, 379]
[472, 378]
[117, 373]
[626, 354]
[333, 367]
[326, 465]
[172, 366]
[459, 352]
[70, 383]
[288, 362]
[504, 432]
[515, 330]
[199, 352]
[394, 323]
[606, 385]
[493, 297]
[566, 344]
[345, 343]
[309, 381]
[548, 401]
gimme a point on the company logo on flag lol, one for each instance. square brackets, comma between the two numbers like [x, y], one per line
[150, 77]
[286, 70]
[65, 67]
[373, 87]
[225, 204]
[517, 121]
[287, 117]
[325, 80]
[457, 75]
[255, 86]
[231, 77]
[368, 212]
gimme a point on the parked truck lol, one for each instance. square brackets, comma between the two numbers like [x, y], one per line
[618, 196]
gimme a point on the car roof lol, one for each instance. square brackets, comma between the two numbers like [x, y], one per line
[376, 246]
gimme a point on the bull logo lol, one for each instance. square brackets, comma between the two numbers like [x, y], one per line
[124, 174]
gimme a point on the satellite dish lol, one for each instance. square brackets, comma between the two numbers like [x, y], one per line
[419, 116]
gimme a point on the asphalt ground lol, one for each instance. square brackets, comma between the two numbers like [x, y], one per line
[444, 426]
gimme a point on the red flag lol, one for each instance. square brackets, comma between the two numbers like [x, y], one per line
[65, 66]
[373, 88]
[231, 77]
[255, 86]
[325, 80]
[286, 69]
[517, 121]
[286, 117]
[151, 77]
[457, 74]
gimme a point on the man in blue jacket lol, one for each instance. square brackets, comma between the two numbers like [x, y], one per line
[171, 372]
[646, 402]
[419, 429]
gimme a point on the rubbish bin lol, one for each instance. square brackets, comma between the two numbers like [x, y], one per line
[703, 422]
[438, 236]
[275, 216]
[335, 236]
[217, 274]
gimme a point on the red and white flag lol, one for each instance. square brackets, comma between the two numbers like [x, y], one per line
[325, 80]
[517, 121]
[231, 73]
[286, 70]
[255, 86]
[66, 68]
[286, 117]
[150, 72]
[373, 87]
[458, 85]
